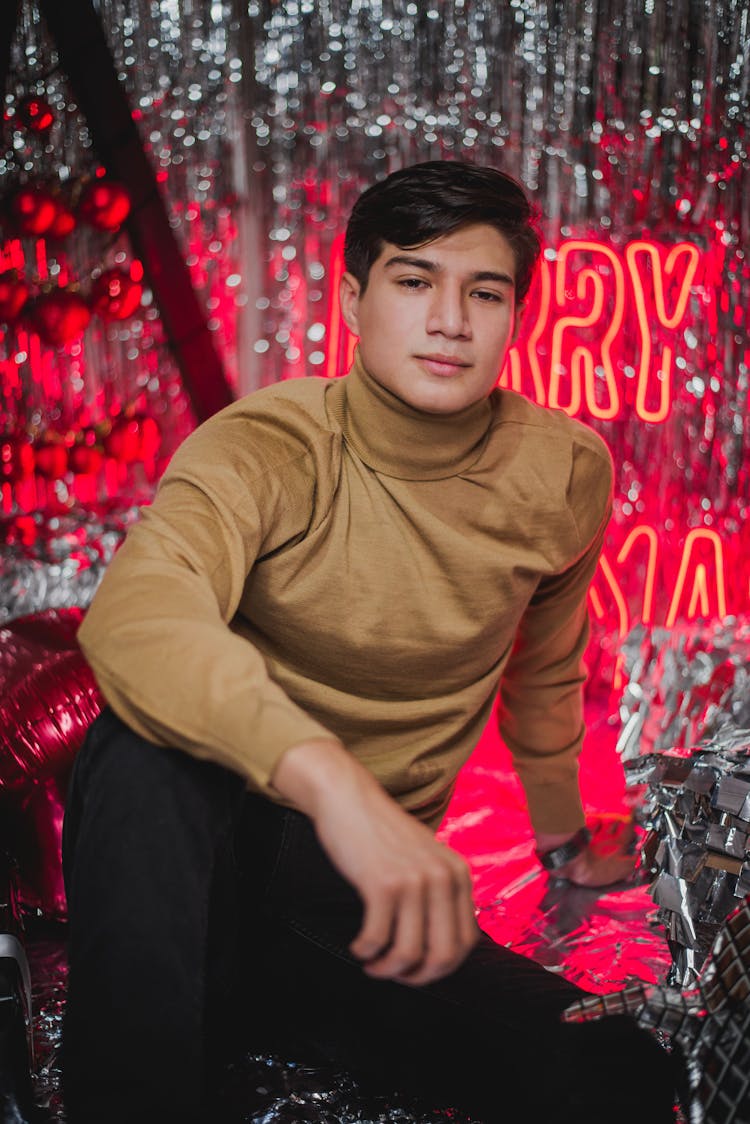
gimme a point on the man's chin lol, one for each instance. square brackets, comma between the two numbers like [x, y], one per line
[442, 400]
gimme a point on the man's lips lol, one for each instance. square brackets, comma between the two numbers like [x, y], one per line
[443, 364]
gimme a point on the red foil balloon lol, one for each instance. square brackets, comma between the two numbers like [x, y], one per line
[115, 295]
[34, 818]
[48, 697]
[14, 293]
[60, 316]
[16, 459]
[33, 209]
[105, 204]
[133, 439]
[35, 113]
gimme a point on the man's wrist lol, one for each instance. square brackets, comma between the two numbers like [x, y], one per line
[555, 858]
[307, 770]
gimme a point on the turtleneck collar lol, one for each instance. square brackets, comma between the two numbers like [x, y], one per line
[396, 439]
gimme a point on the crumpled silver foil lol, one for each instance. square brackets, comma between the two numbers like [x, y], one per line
[293, 1092]
[686, 708]
[49, 973]
[55, 560]
[710, 1024]
[684, 684]
[697, 809]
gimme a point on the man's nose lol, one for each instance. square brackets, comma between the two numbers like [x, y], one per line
[448, 314]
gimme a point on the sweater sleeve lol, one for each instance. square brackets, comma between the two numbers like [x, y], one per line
[158, 633]
[541, 694]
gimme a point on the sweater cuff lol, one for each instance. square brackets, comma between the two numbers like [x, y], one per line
[555, 808]
[279, 728]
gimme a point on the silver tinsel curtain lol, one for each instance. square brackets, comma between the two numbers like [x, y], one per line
[619, 117]
[626, 121]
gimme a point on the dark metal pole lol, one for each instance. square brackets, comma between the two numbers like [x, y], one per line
[9, 12]
[86, 59]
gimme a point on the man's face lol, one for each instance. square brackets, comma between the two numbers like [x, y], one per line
[434, 323]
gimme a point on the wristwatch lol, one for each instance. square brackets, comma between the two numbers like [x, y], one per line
[559, 856]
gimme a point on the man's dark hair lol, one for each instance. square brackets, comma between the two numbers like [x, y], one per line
[418, 204]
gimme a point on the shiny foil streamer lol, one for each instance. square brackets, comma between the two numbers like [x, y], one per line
[56, 561]
[684, 684]
[686, 737]
[698, 813]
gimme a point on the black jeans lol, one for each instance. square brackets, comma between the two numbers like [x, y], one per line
[204, 920]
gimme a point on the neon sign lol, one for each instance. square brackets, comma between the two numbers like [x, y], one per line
[697, 589]
[666, 589]
[600, 334]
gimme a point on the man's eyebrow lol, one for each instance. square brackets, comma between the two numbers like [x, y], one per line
[433, 267]
[418, 263]
[489, 275]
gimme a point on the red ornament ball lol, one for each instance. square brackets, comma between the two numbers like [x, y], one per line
[60, 316]
[85, 459]
[64, 222]
[16, 459]
[115, 295]
[105, 204]
[35, 113]
[33, 209]
[23, 531]
[14, 293]
[133, 439]
[51, 459]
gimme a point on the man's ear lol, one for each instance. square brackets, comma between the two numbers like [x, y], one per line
[517, 318]
[349, 293]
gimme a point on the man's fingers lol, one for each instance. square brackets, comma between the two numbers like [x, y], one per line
[377, 927]
[443, 941]
[421, 931]
[450, 928]
[468, 928]
[407, 949]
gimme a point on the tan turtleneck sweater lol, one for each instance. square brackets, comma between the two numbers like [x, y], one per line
[322, 558]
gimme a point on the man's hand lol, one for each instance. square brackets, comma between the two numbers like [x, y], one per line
[609, 857]
[419, 920]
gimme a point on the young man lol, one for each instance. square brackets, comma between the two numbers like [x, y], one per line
[300, 644]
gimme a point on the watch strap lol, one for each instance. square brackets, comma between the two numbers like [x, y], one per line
[560, 856]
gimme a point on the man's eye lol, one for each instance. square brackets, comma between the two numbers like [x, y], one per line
[412, 282]
[486, 295]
